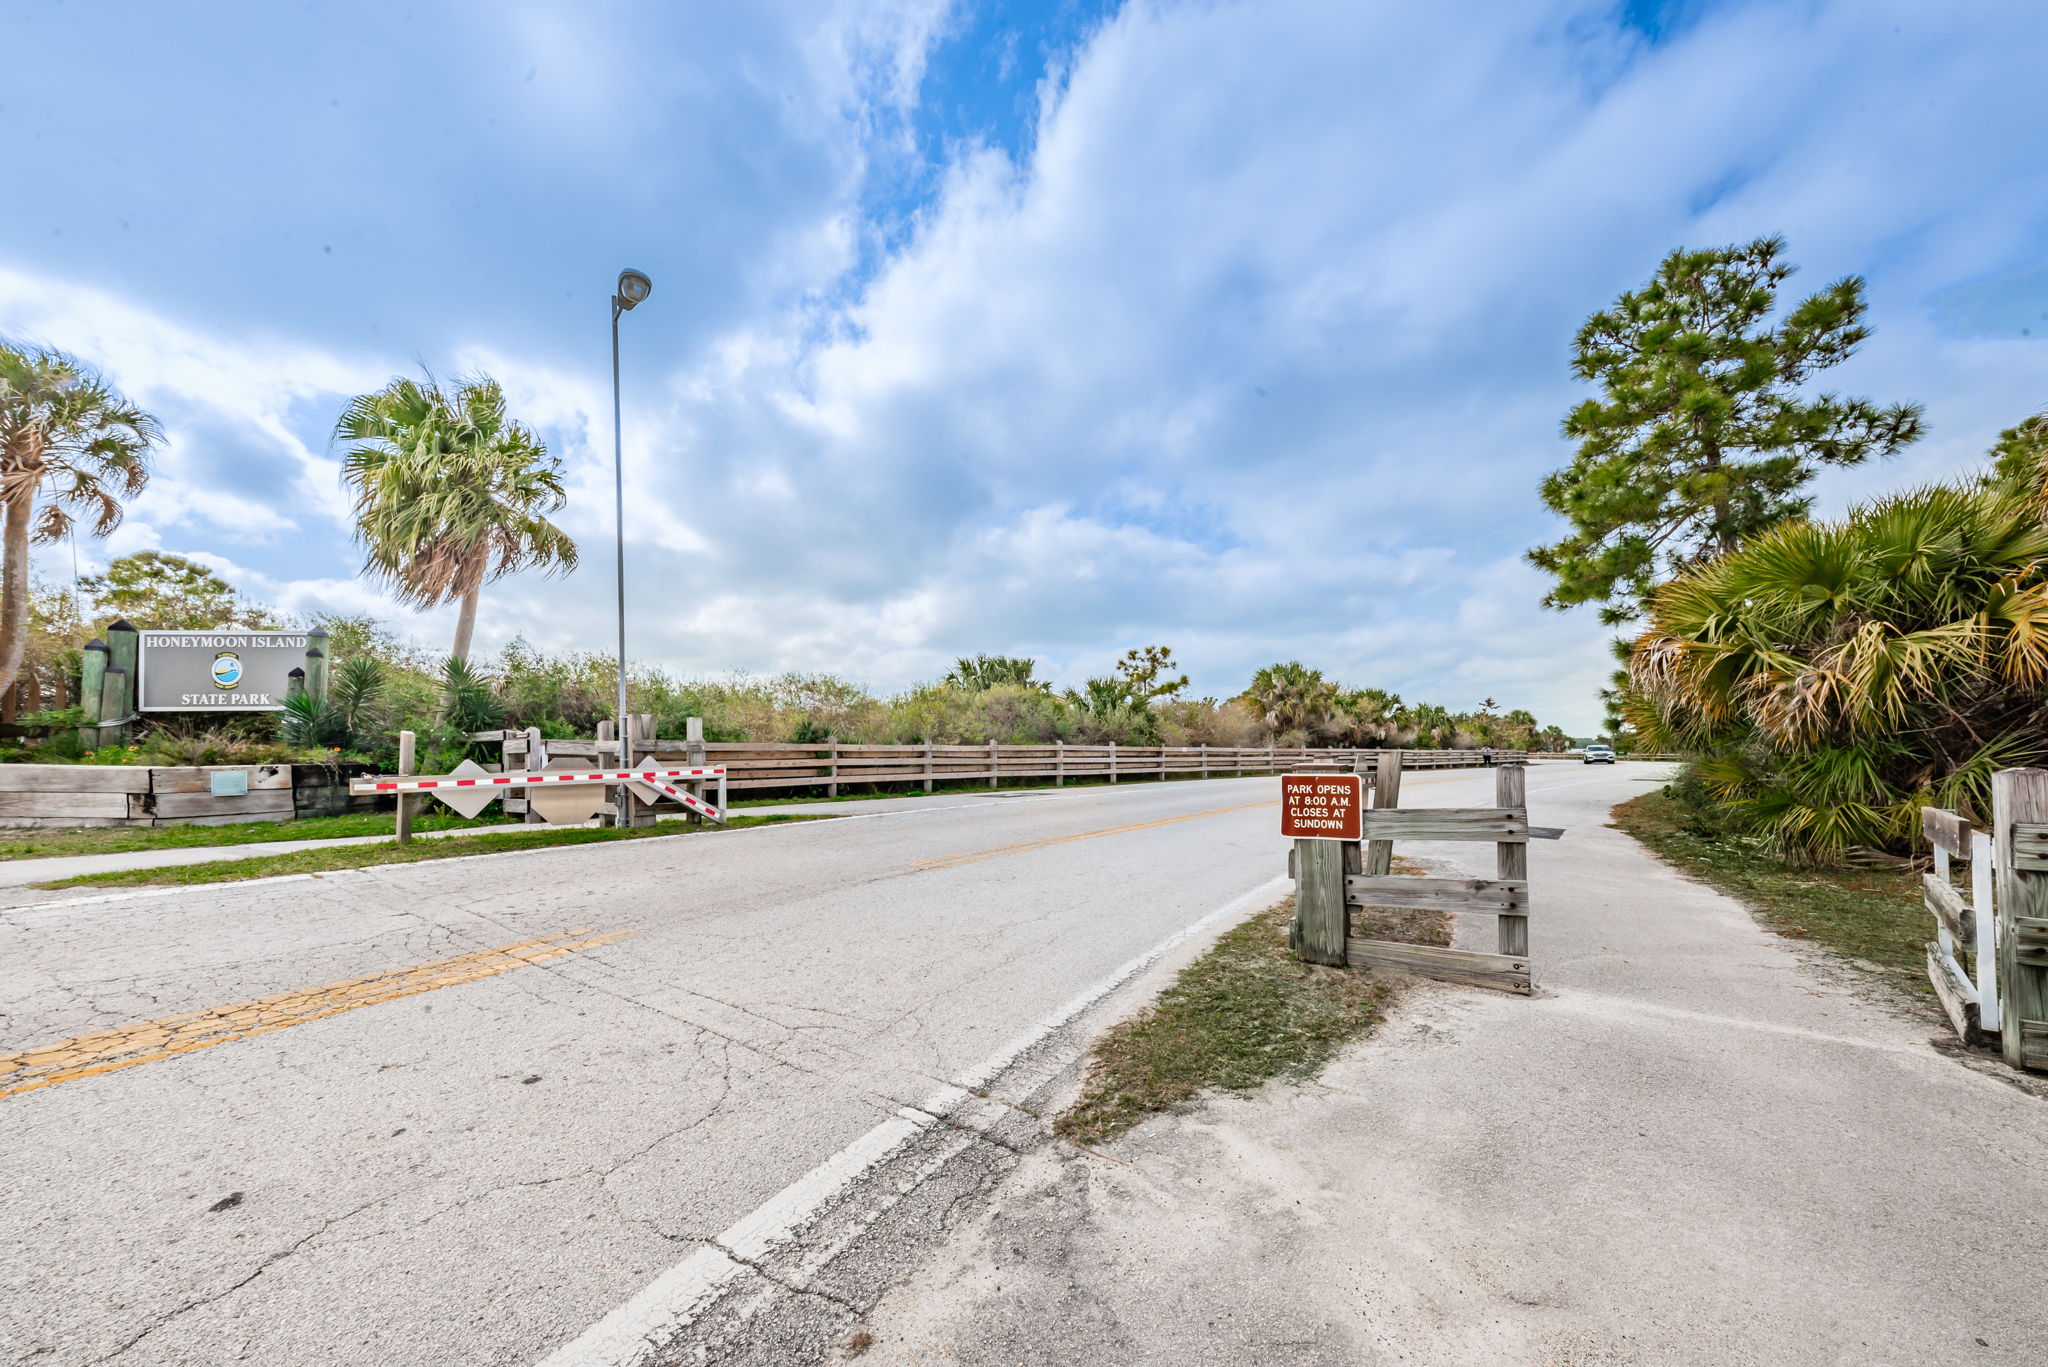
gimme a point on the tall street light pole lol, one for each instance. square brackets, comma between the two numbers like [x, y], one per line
[633, 287]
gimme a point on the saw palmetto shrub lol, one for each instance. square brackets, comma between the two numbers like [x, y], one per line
[1830, 678]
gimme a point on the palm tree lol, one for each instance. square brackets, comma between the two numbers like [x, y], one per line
[1833, 677]
[450, 493]
[979, 673]
[66, 434]
[1292, 698]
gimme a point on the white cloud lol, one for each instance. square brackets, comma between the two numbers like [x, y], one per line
[1260, 353]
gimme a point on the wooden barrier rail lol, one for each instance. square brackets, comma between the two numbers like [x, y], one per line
[1336, 877]
[832, 764]
[1988, 960]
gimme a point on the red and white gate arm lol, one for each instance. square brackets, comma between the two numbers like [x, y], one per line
[665, 780]
[684, 795]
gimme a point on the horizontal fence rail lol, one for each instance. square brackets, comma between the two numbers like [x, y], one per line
[761, 765]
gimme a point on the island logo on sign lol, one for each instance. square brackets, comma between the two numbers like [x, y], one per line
[227, 669]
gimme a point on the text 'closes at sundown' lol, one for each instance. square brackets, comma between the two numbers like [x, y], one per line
[1322, 806]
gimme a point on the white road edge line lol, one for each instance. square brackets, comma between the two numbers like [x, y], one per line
[641, 1327]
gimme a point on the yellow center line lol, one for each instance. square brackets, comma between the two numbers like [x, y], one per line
[973, 856]
[104, 1051]
[949, 861]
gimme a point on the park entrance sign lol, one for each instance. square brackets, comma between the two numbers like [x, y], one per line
[1322, 806]
[225, 671]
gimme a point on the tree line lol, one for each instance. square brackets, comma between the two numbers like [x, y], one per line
[384, 683]
[450, 493]
[1826, 678]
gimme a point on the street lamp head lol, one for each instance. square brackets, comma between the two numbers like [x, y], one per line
[633, 287]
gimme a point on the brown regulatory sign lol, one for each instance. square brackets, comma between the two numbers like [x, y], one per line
[1322, 806]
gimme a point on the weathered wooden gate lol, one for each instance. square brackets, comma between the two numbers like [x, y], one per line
[1988, 961]
[1333, 877]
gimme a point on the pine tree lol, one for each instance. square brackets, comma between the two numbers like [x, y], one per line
[1705, 434]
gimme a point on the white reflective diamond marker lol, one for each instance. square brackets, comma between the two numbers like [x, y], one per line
[569, 804]
[468, 801]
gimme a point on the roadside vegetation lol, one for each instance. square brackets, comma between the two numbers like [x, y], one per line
[451, 493]
[1826, 679]
[1246, 1012]
[1871, 914]
[339, 857]
[1833, 678]
[380, 685]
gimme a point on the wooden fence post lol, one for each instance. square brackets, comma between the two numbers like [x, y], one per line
[1319, 926]
[316, 663]
[607, 739]
[1386, 792]
[1059, 764]
[2019, 798]
[1205, 759]
[1112, 761]
[316, 672]
[92, 675]
[639, 735]
[407, 749]
[117, 687]
[1511, 790]
[536, 758]
[693, 750]
[113, 703]
[832, 772]
[927, 766]
[995, 764]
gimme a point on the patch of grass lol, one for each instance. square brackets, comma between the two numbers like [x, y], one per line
[364, 856]
[50, 844]
[1244, 1013]
[1871, 914]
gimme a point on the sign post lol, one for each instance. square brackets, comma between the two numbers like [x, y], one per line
[1324, 815]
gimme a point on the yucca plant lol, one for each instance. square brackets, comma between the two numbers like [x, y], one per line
[468, 702]
[1835, 676]
[357, 687]
[312, 721]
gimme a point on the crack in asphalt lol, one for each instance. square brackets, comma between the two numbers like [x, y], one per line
[260, 1268]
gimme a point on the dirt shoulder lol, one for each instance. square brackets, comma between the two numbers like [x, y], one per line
[1691, 1147]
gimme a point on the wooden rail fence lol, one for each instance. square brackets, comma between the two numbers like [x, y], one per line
[832, 765]
[1333, 878]
[1988, 960]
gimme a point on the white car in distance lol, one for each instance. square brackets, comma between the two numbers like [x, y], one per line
[1598, 754]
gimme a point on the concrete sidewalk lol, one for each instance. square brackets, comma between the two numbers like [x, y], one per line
[20, 873]
[1699, 1144]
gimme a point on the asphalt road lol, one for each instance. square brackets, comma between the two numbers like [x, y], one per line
[415, 1128]
[610, 1104]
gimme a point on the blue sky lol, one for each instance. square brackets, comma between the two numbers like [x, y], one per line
[1046, 328]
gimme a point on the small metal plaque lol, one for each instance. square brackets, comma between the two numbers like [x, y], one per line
[230, 783]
